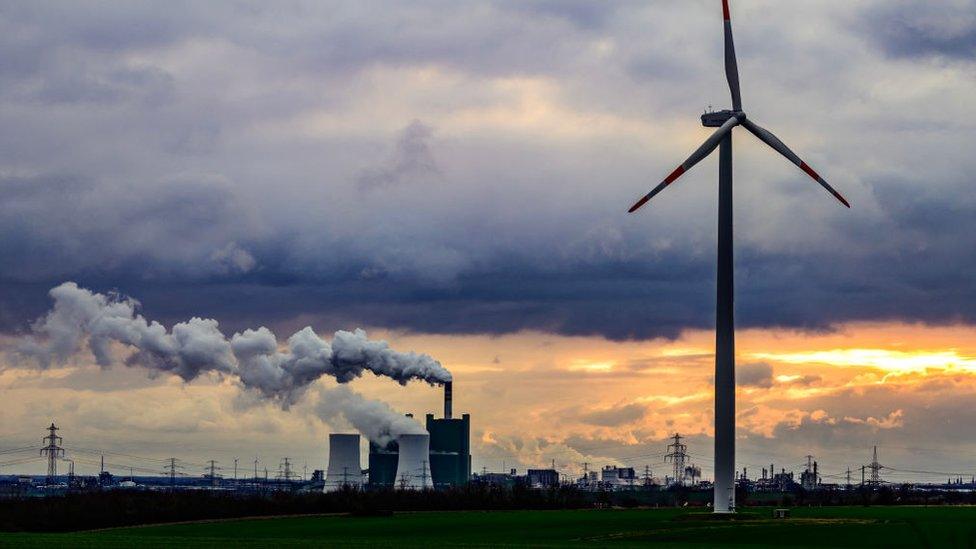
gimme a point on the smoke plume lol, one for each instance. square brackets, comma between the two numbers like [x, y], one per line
[81, 318]
[375, 420]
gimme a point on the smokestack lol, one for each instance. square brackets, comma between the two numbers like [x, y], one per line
[448, 399]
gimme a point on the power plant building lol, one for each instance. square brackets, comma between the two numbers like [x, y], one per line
[450, 445]
[383, 465]
[449, 454]
[450, 450]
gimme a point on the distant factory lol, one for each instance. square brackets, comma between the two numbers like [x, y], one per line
[440, 458]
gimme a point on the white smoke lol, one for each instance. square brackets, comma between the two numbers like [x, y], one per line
[82, 318]
[375, 420]
[308, 357]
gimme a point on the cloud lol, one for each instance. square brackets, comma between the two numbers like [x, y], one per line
[199, 155]
[412, 158]
[234, 259]
[615, 416]
[755, 375]
[893, 420]
[797, 379]
[913, 29]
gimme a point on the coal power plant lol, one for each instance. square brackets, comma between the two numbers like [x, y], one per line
[440, 458]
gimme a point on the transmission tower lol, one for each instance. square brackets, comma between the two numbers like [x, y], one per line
[53, 450]
[284, 470]
[875, 468]
[173, 469]
[212, 472]
[677, 453]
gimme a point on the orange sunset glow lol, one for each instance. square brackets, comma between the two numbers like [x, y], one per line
[540, 397]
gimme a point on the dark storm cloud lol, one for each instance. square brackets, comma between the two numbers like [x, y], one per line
[57, 225]
[258, 163]
[920, 29]
[412, 158]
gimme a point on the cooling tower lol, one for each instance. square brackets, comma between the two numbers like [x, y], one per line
[413, 467]
[344, 467]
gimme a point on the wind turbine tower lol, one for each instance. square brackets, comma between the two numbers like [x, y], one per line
[726, 121]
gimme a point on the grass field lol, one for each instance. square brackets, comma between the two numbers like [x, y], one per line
[808, 527]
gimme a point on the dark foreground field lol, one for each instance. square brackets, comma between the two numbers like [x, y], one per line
[809, 527]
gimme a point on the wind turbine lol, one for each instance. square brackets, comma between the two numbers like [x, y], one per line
[725, 121]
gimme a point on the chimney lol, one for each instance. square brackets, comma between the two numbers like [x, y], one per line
[448, 399]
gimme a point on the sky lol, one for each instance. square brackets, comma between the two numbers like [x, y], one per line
[453, 177]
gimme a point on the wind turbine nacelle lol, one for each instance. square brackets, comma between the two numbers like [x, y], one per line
[716, 119]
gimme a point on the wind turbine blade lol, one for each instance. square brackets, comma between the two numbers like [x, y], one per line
[707, 147]
[768, 138]
[731, 66]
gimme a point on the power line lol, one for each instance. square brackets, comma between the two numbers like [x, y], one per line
[18, 450]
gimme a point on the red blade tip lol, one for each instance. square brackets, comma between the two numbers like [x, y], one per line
[725, 9]
[678, 172]
[640, 203]
[809, 170]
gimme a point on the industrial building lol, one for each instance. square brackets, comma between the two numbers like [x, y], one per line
[450, 445]
[543, 478]
[382, 465]
[614, 477]
[447, 457]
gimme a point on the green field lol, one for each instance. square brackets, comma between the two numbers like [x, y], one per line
[808, 527]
